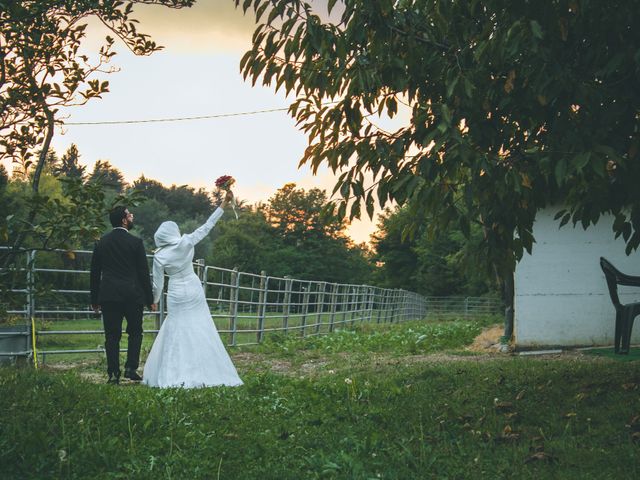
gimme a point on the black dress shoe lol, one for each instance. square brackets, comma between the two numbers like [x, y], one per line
[114, 379]
[132, 375]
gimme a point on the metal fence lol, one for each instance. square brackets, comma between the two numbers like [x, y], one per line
[50, 296]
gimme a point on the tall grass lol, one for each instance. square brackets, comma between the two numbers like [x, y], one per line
[355, 418]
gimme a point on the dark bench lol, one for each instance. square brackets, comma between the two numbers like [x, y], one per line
[625, 314]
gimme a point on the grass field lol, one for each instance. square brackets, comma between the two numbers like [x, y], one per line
[384, 401]
[50, 339]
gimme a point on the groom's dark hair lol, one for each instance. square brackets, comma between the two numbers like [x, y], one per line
[116, 215]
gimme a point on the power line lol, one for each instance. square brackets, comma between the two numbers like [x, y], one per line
[179, 119]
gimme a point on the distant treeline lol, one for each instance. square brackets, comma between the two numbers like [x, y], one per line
[289, 234]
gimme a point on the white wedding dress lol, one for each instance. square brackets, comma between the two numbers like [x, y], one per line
[187, 352]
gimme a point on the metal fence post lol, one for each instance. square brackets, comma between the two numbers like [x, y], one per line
[199, 268]
[408, 305]
[201, 271]
[358, 302]
[305, 308]
[346, 306]
[393, 297]
[370, 298]
[233, 304]
[334, 299]
[31, 300]
[365, 304]
[286, 303]
[377, 303]
[320, 307]
[385, 302]
[262, 305]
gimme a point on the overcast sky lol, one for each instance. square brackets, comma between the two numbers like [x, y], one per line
[196, 74]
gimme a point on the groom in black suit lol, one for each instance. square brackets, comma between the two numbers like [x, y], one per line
[120, 287]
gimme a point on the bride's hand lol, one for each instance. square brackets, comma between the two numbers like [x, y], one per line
[228, 198]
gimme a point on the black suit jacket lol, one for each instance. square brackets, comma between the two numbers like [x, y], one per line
[119, 270]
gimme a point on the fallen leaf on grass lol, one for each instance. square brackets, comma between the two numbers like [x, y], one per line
[634, 423]
[629, 386]
[511, 437]
[540, 457]
[538, 445]
[508, 435]
[503, 406]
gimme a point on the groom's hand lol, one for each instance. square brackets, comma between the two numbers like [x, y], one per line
[154, 307]
[96, 308]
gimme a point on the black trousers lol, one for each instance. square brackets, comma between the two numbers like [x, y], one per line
[112, 315]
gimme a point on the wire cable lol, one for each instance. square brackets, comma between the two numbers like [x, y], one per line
[178, 119]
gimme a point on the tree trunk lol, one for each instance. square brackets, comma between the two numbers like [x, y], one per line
[35, 184]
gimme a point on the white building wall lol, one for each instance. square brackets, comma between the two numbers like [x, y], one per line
[561, 296]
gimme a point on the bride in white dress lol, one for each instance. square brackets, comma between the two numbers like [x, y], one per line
[187, 352]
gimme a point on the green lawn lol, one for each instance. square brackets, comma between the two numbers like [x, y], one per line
[245, 331]
[388, 401]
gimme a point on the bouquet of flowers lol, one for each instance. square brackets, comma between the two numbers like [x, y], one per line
[224, 183]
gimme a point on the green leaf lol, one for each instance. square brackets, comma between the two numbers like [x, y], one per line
[452, 85]
[342, 210]
[560, 171]
[370, 206]
[446, 114]
[345, 189]
[355, 209]
[392, 106]
[383, 193]
[399, 184]
[536, 29]
[468, 87]
[559, 214]
[580, 160]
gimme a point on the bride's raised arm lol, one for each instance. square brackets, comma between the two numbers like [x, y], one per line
[204, 229]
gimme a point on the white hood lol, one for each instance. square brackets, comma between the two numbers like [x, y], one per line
[168, 233]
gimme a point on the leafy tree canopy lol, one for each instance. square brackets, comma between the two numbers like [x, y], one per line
[440, 264]
[509, 107]
[108, 176]
[297, 214]
[69, 165]
[42, 72]
[183, 201]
